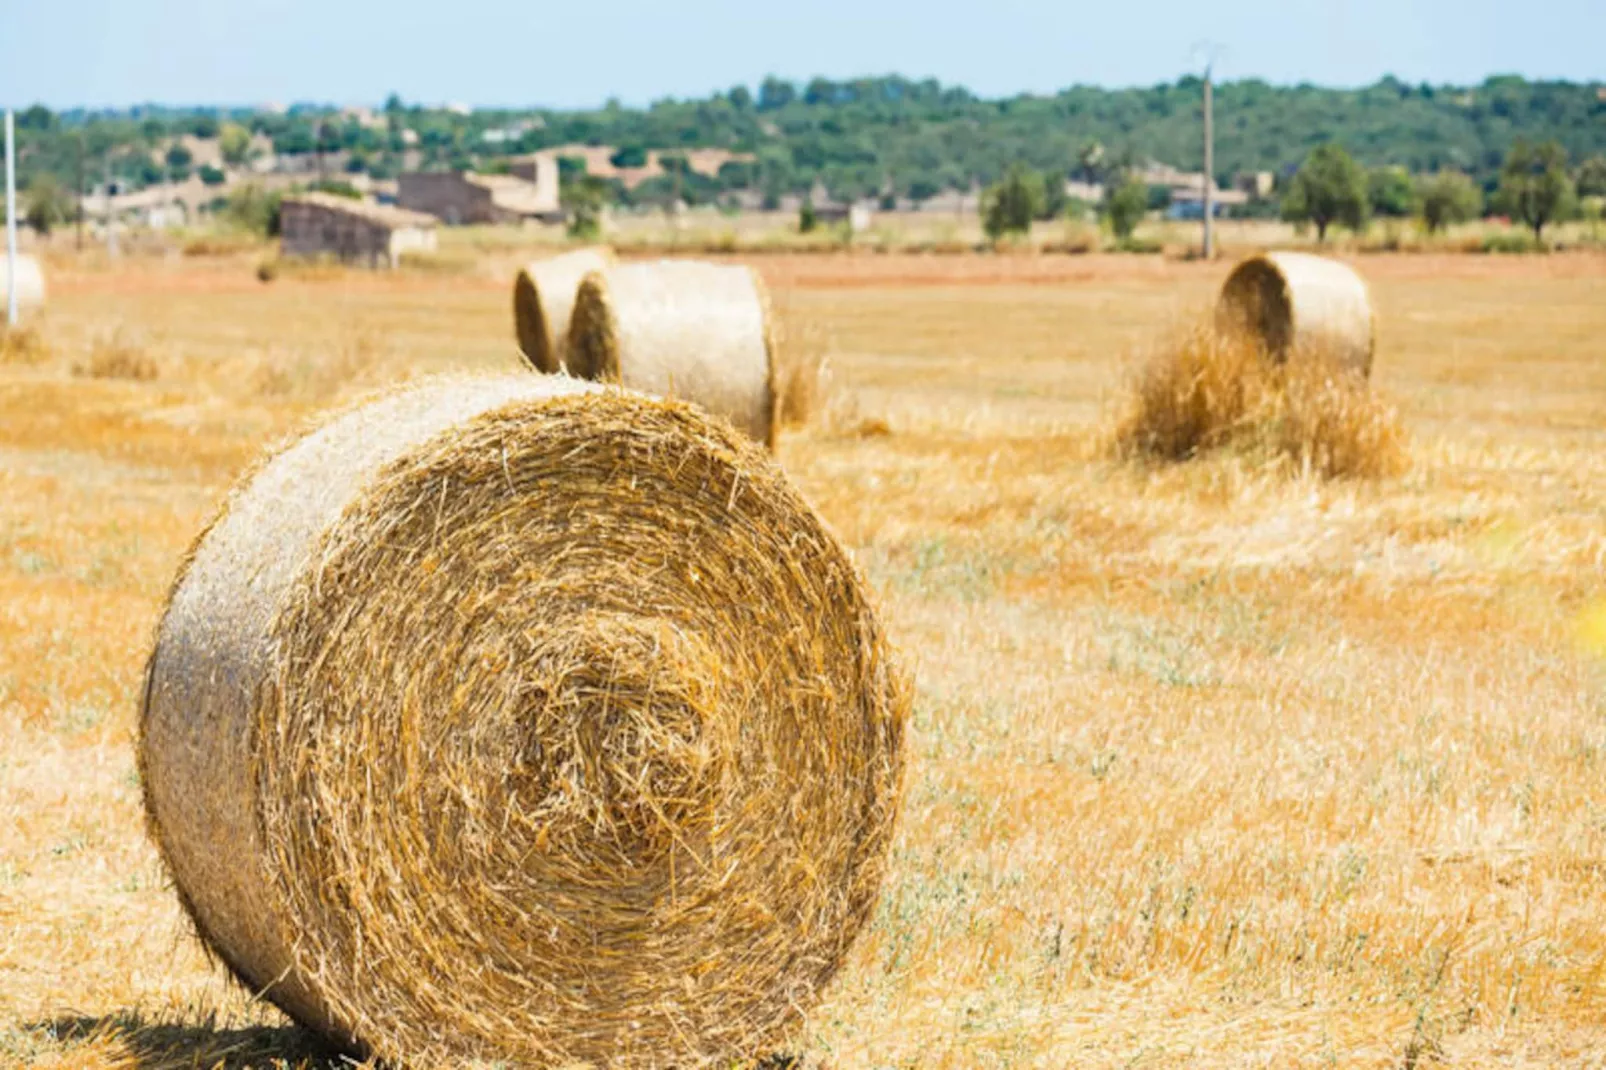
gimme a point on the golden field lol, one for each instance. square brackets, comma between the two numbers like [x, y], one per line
[1213, 764]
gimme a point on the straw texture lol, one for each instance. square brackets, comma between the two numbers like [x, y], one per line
[30, 284]
[543, 299]
[1296, 301]
[685, 329]
[524, 721]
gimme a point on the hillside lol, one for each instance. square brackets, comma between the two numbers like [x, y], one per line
[859, 137]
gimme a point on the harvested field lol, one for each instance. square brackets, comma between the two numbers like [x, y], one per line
[1210, 764]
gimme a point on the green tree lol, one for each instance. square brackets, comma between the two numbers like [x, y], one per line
[807, 219]
[212, 176]
[1446, 198]
[1125, 204]
[1591, 178]
[1534, 187]
[1009, 206]
[234, 141]
[46, 204]
[1391, 193]
[1329, 188]
[629, 156]
[583, 202]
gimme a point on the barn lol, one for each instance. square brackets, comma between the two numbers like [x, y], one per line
[322, 224]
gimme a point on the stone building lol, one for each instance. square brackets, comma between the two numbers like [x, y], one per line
[463, 197]
[321, 224]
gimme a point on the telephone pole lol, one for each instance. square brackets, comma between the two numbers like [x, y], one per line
[1207, 53]
[11, 220]
[1209, 173]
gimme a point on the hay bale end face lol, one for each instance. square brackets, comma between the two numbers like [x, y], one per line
[685, 329]
[525, 721]
[1298, 302]
[30, 285]
[543, 299]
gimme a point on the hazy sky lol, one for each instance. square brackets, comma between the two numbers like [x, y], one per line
[580, 52]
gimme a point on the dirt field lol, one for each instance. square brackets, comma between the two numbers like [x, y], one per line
[1211, 766]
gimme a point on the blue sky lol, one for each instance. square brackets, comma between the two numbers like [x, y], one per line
[581, 52]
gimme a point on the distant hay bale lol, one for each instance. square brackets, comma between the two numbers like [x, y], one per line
[523, 721]
[1293, 301]
[30, 285]
[543, 299]
[681, 328]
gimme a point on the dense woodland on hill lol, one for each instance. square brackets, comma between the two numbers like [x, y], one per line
[868, 136]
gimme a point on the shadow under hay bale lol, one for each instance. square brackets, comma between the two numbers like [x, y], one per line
[30, 285]
[543, 300]
[1297, 301]
[681, 328]
[520, 720]
[1209, 389]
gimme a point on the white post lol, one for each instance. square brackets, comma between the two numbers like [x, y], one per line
[11, 221]
[1209, 174]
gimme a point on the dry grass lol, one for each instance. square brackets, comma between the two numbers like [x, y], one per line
[1209, 766]
[118, 354]
[1209, 390]
[802, 368]
[23, 344]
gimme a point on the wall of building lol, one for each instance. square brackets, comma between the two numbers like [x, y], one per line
[313, 230]
[445, 195]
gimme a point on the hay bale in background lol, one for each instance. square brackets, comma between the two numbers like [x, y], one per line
[518, 720]
[543, 298]
[685, 329]
[30, 285]
[1295, 301]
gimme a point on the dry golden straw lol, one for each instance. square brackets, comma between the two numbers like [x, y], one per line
[30, 284]
[543, 299]
[1294, 301]
[520, 720]
[685, 329]
[1206, 389]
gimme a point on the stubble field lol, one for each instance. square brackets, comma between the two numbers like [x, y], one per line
[1212, 764]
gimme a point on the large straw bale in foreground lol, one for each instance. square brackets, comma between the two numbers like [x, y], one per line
[543, 299]
[524, 721]
[30, 285]
[1296, 301]
[685, 329]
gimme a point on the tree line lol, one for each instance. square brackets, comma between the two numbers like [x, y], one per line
[871, 137]
[1534, 187]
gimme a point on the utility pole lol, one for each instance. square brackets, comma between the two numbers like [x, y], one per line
[1209, 172]
[79, 243]
[11, 220]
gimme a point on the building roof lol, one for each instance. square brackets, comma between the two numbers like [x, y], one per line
[383, 214]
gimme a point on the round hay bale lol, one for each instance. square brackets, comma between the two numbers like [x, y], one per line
[684, 329]
[30, 284]
[543, 298]
[1296, 301]
[519, 720]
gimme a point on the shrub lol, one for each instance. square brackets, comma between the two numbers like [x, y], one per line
[1516, 241]
[1009, 206]
[1125, 204]
[254, 209]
